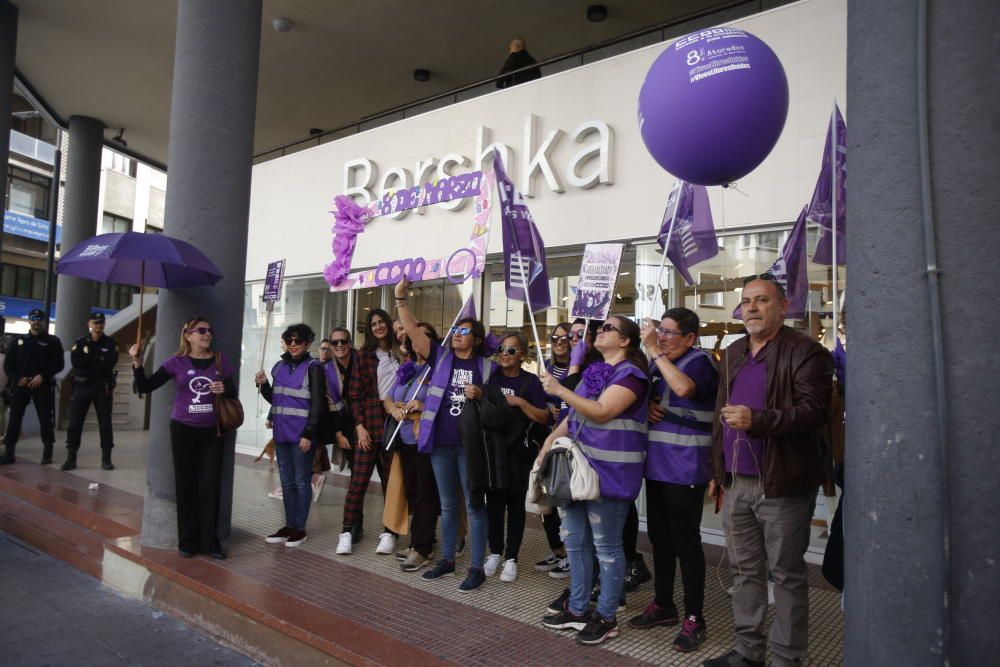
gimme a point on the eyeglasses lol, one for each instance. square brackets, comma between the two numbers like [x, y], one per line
[558, 339]
[202, 330]
[660, 331]
[337, 342]
[610, 327]
[325, 348]
[509, 351]
[578, 335]
[461, 331]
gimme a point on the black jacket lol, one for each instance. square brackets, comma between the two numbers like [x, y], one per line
[30, 355]
[516, 61]
[94, 360]
[486, 455]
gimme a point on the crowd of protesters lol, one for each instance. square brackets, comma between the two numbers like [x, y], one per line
[471, 428]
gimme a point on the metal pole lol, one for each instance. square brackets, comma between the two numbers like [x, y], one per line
[53, 221]
[678, 186]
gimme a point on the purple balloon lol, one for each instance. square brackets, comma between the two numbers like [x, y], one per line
[713, 106]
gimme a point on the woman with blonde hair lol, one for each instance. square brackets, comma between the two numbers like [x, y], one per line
[195, 441]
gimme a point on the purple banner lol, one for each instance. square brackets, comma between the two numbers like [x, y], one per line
[819, 207]
[525, 274]
[693, 238]
[272, 281]
[791, 270]
[435, 192]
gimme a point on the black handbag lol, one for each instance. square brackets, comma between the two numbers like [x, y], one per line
[557, 473]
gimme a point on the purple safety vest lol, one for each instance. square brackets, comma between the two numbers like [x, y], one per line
[681, 454]
[616, 448]
[290, 401]
[440, 378]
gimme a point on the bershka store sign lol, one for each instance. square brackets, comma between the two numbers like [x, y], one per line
[589, 166]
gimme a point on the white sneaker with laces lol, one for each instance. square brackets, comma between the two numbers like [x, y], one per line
[344, 544]
[491, 564]
[386, 544]
[277, 493]
[509, 570]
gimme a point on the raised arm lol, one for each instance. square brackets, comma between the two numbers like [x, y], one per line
[419, 340]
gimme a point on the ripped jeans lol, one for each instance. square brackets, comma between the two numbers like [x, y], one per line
[589, 526]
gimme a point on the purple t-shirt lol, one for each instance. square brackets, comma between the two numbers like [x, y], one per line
[525, 384]
[194, 403]
[638, 387]
[463, 372]
[745, 455]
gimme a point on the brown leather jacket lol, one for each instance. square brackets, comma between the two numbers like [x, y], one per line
[794, 423]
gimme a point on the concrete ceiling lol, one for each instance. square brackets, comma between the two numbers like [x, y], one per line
[113, 59]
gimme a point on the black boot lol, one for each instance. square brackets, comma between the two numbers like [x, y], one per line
[636, 574]
[70, 463]
[106, 463]
[8, 455]
[46, 453]
[356, 533]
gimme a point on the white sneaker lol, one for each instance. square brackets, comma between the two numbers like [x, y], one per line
[344, 545]
[491, 564]
[277, 493]
[509, 570]
[386, 544]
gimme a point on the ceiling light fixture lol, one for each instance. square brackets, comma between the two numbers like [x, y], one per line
[421, 75]
[120, 139]
[313, 131]
[597, 13]
[281, 24]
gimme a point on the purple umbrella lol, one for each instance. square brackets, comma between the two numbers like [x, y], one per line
[139, 259]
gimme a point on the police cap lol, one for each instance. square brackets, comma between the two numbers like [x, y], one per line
[97, 317]
[36, 314]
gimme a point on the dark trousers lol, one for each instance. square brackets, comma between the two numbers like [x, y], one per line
[421, 496]
[630, 534]
[197, 454]
[673, 518]
[551, 523]
[44, 400]
[509, 501]
[363, 463]
[98, 393]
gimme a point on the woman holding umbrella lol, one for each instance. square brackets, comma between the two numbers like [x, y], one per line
[195, 443]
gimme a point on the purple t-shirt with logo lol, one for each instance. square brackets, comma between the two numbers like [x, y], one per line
[745, 455]
[194, 402]
[463, 372]
[524, 384]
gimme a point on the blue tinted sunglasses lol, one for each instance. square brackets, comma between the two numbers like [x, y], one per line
[461, 331]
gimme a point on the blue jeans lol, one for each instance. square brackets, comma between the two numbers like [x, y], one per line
[589, 526]
[449, 472]
[295, 471]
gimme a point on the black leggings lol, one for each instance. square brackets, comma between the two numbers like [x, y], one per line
[673, 517]
[509, 501]
[552, 523]
[197, 454]
[630, 534]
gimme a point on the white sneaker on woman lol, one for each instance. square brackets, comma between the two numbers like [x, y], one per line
[386, 544]
[509, 570]
[491, 564]
[344, 544]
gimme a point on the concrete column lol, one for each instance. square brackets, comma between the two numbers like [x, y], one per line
[902, 602]
[74, 296]
[212, 112]
[8, 56]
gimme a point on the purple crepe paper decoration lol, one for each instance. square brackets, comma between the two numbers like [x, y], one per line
[406, 371]
[596, 377]
[349, 221]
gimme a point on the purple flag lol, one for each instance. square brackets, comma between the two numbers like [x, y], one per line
[819, 207]
[693, 238]
[790, 269]
[525, 274]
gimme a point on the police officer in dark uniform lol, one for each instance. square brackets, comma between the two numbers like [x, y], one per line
[93, 357]
[32, 362]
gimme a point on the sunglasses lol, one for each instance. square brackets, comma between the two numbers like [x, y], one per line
[558, 339]
[763, 276]
[578, 335]
[610, 327]
[202, 330]
[35, 319]
[461, 331]
[294, 341]
[509, 351]
[660, 331]
[337, 342]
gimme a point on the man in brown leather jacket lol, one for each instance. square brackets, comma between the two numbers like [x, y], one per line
[767, 459]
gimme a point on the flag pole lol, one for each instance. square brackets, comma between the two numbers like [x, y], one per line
[833, 211]
[670, 233]
[534, 330]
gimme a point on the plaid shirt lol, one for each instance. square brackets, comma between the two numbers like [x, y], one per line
[363, 398]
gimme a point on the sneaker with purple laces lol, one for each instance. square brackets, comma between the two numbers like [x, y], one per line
[692, 634]
[653, 616]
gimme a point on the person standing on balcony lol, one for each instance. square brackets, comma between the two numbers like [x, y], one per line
[93, 357]
[32, 362]
[516, 59]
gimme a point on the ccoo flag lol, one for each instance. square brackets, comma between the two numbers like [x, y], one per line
[525, 274]
[790, 269]
[693, 237]
[819, 207]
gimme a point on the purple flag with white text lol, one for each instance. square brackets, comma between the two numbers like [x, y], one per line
[693, 238]
[819, 207]
[525, 274]
[790, 269]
